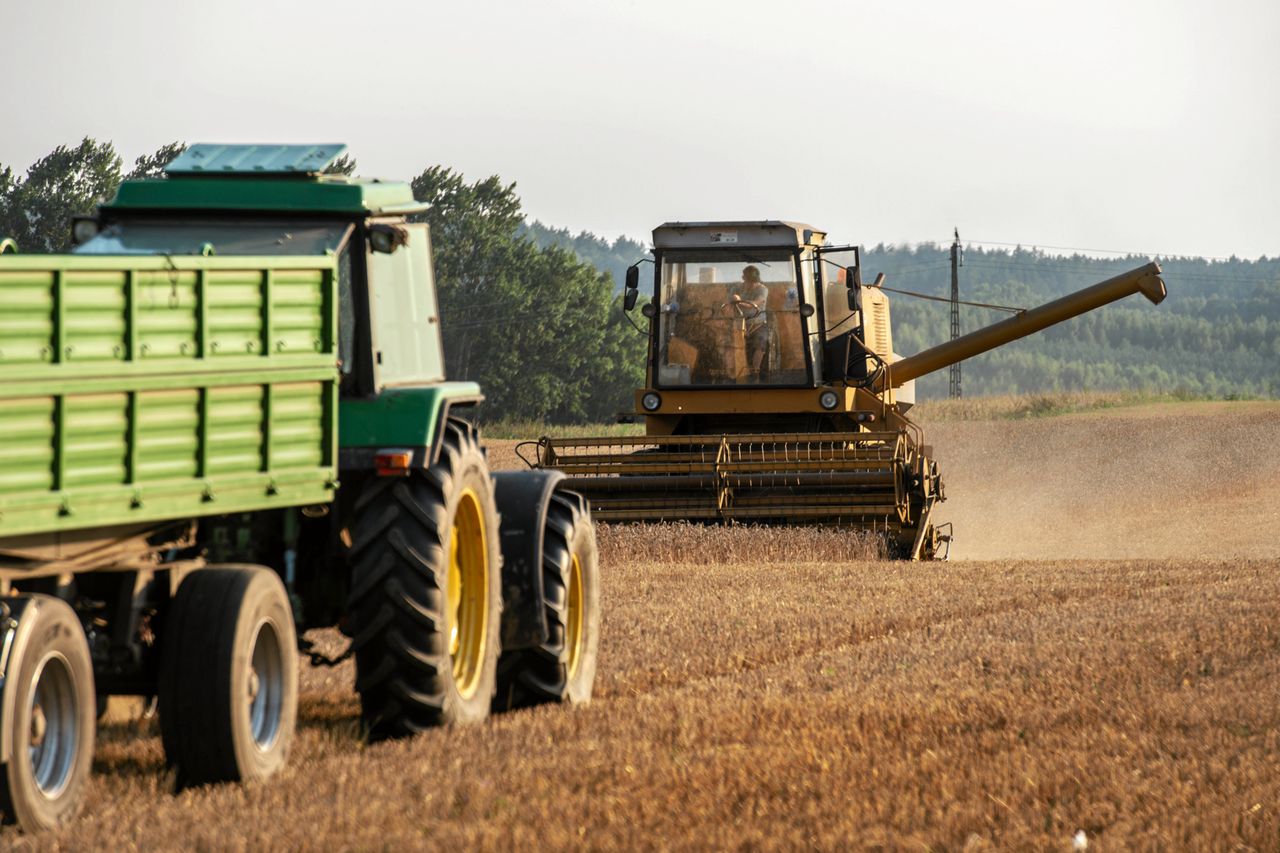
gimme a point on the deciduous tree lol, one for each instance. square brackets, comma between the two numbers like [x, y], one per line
[36, 211]
[152, 165]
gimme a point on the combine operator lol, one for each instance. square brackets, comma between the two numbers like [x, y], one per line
[751, 299]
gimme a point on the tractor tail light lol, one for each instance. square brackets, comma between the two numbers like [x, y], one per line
[393, 463]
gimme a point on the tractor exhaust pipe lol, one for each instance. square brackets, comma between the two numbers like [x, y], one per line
[1145, 280]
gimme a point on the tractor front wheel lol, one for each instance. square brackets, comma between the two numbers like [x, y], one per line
[563, 668]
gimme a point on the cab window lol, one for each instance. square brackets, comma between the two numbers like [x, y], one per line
[730, 318]
[402, 308]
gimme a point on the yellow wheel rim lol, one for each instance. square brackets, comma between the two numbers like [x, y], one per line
[468, 594]
[573, 617]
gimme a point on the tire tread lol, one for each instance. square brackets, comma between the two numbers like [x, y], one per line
[404, 673]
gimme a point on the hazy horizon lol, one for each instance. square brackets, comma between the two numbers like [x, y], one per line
[1146, 127]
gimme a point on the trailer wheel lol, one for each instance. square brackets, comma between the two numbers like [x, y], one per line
[426, 592]
[228, 676]
[562, 669]
[51, 675]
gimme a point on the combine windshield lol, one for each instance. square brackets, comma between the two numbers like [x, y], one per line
[730, 318]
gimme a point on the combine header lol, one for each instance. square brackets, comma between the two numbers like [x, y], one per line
[774, 396]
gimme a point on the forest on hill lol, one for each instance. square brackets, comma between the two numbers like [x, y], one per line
[532, 311]
[1217, 334]
[609, 256]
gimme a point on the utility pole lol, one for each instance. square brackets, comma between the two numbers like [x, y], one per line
[956, 262]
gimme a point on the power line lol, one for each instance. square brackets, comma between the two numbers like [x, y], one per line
[1050, 266]
[921, 268]
[1127, 252]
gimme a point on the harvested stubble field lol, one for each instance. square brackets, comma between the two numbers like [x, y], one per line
[765, 689]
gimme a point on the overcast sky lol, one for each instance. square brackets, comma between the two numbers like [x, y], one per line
[1146, 126]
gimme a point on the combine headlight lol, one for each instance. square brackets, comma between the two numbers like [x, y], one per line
[828, 399]
[651, 402]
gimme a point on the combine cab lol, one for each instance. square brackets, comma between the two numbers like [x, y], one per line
[774, 395]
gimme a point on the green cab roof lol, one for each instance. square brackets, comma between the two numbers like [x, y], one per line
[268, 193]
[264, 178]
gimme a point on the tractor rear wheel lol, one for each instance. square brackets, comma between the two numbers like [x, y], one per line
[426, 592]
[562, 669]
[228, 676]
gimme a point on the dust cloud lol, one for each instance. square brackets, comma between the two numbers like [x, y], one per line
[1160, 481]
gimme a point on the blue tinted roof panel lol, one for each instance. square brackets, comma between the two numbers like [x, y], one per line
[206, 158]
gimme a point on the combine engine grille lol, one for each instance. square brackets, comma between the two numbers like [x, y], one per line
[862, 479]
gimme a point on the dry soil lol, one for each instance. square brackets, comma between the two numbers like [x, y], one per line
[778, 693]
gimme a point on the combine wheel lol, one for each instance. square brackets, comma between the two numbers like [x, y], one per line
[49, 708]
[228, 676]
[929, 545]
[562, 669]
[901, 547]
[426, 589]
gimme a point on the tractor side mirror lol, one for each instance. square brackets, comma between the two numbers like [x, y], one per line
[385, 238]
[853, 299]
[632, 288]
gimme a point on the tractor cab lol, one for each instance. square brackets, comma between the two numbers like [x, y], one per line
[279, 200]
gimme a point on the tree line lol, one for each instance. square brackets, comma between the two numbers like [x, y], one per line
[532, 312]
[1217, 333]
[611, 256]
[540, 329]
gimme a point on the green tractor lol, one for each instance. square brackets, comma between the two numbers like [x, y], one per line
[226, 422]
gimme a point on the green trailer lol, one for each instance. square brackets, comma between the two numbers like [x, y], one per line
[224, 421]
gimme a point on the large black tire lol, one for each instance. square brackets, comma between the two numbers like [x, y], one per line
[426, 592]
[563, 669]
[43, 784]
[228, 676]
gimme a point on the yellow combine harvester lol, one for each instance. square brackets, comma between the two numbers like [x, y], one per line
[774, 395]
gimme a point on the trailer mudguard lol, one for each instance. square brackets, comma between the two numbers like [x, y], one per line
[523, 498]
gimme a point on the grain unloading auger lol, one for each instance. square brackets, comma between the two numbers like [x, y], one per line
[774, 396]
